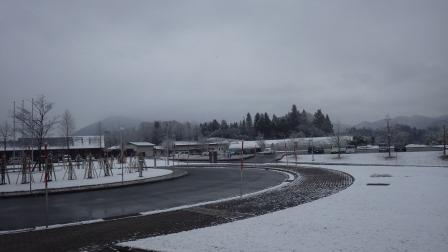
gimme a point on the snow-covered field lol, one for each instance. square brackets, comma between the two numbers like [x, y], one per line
[62, 181]
[423, 158]
[411, 214]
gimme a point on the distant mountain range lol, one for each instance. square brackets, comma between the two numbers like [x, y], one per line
[417, 121]
[111, 123]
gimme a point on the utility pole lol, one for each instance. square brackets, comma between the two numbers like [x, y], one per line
[241, 168]
[388, 134]
[295, 151]
[121, 154]
[100, 132]
[14, 136]
[444, 140]
[312, 149]
[32, 139]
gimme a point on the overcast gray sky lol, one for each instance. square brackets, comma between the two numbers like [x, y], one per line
[199, 60]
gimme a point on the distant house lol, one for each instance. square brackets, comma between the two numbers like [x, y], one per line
[188, 146]
[199, 147]
[249, 147]
[141, 148]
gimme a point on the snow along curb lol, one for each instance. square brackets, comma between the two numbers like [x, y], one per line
[175, 174]
[292, 176]
[357, 164]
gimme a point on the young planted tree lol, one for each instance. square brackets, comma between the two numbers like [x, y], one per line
[37, 123]
[5, 133]
[67, 126]
[261, 143]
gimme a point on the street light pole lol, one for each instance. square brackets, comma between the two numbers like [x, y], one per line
[121, 154]
[444, 140]
[312, 149]
[241, 168]
[388, 135]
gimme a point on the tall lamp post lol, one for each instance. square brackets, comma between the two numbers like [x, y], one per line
[241, 168]
[444, 140]
[121, 154]
[388, 134]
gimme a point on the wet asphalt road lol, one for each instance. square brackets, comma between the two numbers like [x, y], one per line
[202, 184]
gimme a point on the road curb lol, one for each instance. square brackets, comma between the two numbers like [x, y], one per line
[357, 164]
[177, 173]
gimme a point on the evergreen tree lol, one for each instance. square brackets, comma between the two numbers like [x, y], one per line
[249, 121]
[293, 118]
[215, 125]
[267, 125]
[157, 137]
[328, 126]
[303, 117]
[257, 120]
[319, 120]
[224, 125]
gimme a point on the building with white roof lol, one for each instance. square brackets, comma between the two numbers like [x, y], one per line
[141, 148]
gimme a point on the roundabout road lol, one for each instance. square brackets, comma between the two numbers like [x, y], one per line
[202, 184]
[312, 184]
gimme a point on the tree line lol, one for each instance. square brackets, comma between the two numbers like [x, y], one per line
[261, 126]
[400, 134]
[293, 124]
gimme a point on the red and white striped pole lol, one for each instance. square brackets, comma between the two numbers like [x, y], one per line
[46, 186]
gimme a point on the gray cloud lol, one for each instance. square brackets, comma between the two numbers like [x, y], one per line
[357, 60]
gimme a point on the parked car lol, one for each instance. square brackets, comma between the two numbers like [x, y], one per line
[316, 150]
[336, 150]
[267, 151]
[382, 147]
[399, 147]
[350, 149]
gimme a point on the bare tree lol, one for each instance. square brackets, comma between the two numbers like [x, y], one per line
[261, 143]
[67, 126]
[5, 133]
[37, 122]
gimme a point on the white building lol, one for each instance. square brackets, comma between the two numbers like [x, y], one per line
[144, 148]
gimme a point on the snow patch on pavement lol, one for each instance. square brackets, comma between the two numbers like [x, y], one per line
[423, 158]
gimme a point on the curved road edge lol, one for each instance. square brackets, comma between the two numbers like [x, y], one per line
[176, 173]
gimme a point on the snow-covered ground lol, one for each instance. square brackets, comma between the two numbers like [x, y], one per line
[423, 158]
[411, 214]
[62, 181]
